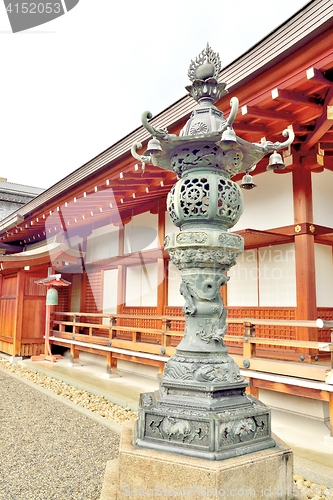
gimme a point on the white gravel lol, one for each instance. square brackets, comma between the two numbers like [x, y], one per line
[51, 452]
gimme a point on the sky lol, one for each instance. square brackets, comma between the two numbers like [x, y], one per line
[74, 86]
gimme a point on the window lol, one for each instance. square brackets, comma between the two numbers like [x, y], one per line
[264, 277]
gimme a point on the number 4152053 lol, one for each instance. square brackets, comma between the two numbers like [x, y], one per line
[34, 8]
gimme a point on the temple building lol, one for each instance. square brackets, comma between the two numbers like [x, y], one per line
[103, 228]
[13, 196]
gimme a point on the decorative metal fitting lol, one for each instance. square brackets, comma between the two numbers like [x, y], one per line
[246, 363]
[203, 73]
[154, 147]
[207, 129]
[247, 182]
[302, 358]
[162, 350]
[228, 137]
[275, 162]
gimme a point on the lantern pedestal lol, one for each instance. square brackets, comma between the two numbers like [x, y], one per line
[46, 357]
[139, 473]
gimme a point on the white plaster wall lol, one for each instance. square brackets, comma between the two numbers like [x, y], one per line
[175, 299]
[322, 198]
[169, 226]
[141, 285]
[277, 276]
[242, 288]
[324, 275]
[268, 205]
[76, 293]
[103, 243]
[110, 281]
[141, 233]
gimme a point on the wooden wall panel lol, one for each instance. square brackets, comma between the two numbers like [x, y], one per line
[9, 286]
[93, 292]
[33, 326]
[325, 313]
[175, 311]
[31, 349]
[6, 347]
[141, 322]
[7, 317]
[30, 287]
[263, 313]
[63, 299]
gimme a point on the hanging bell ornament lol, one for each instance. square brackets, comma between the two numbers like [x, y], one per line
[228, 136]
[247, 182]
[275, 161]
[154, 148]
[52, 297]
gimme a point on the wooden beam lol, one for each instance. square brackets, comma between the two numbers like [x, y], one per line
[313, 161]
[316, 75]
[323, 124]
[282, 95]
[121, 288]
[330, 404]
[242, 127]
[308, 371]
[268, 114]
[295, 390]
[111, 363]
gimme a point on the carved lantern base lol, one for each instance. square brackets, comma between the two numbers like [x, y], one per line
[199, 420]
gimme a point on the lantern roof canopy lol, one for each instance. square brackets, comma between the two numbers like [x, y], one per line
[53, 280]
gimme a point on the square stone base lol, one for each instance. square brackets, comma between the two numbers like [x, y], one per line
[144, 473]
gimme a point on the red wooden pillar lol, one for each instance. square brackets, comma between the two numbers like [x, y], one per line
[121, 285]
[84, 277]
[162, 289]
[306, 307]
[111, 361]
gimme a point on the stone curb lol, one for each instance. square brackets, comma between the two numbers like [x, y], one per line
[82, 387]
[317, 473]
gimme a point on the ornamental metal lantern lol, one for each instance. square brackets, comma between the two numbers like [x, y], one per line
[51, 281]
[201, 408]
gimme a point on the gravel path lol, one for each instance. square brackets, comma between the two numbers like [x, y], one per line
[49, 451]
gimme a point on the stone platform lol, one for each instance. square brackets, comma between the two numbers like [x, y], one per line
[143, 473]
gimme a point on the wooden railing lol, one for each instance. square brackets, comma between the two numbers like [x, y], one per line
[154, 345]
[163, 337]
